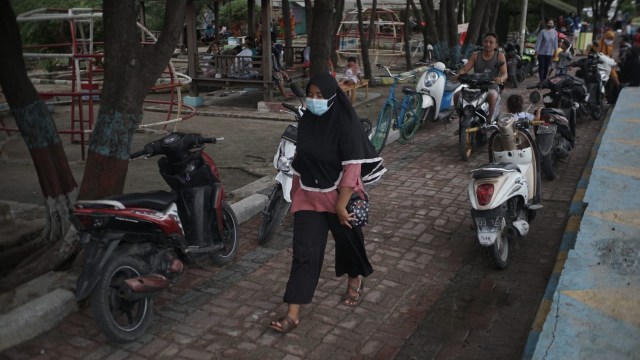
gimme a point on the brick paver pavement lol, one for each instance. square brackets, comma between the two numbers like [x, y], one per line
[433, 294]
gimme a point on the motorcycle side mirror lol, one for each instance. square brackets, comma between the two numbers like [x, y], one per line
[296, 90]
[535, 97]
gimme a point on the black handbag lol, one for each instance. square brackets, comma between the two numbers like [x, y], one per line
[360, 208]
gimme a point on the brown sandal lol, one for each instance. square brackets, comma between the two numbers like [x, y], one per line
[353, 300]
[284, 324]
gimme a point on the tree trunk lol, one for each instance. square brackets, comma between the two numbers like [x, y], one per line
[429, 18]
[423, 30]
[286, 21]
[475, 24]
[372, 21]
[41, 138]
[452, 33]
[407, 37]
[308, 13]
[495, 7]
[130, 70]
[364, 45]
[337, 19]
[321, 45]
[251, 19]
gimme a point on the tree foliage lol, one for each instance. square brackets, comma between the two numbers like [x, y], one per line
[236, 12]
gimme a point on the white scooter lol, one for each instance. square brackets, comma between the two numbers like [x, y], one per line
[438, 92]
[280, 197]
[505, 193]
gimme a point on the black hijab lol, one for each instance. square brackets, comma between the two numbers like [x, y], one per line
[328, 142]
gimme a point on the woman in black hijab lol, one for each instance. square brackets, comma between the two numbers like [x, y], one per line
[334, 159]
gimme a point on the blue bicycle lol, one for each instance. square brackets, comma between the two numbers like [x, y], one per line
[405, 115]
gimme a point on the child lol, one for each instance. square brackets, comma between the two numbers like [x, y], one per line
[514, 106]
[352, 73]
[564, 57]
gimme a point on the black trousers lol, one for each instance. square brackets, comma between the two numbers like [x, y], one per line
[544, 62]
[310, 231]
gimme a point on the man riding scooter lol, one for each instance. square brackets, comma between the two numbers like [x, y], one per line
[487, 60]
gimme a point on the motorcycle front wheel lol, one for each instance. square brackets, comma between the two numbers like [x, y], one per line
[230, 237]
[464, 143]
[272, 215]
[121, 320]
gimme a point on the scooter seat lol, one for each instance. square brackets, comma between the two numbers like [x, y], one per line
[493, 170]
[157, 200]
[450, 86]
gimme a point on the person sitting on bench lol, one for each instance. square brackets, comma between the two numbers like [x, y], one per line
[352, 73]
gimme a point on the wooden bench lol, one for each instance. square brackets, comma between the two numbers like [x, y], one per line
[351, 89]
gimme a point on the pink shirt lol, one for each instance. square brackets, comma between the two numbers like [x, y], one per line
[302, 199]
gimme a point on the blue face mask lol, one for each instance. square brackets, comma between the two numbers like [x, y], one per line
[318, 106]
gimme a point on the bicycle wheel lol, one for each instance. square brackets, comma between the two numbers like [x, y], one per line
[412, 116]
[379, 138]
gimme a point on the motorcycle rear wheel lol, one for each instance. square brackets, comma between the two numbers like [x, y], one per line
[121, 320]
[272, 215]
[230, 237]
[465, 144]
[499, 252]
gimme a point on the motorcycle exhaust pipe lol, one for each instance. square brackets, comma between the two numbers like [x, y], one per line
[143, 287]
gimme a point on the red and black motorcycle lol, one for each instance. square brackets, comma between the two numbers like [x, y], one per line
[136, 244]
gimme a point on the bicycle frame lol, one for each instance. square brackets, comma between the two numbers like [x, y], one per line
[394, 112]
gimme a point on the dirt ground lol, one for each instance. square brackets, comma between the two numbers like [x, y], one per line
[243, 156]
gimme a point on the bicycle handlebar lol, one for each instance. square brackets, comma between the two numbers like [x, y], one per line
[397, 77]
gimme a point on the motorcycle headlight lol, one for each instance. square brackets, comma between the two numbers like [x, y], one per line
[547, 99]
[469, 111]
[431, 78]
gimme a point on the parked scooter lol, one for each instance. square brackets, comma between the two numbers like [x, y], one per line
[438, 92]
[530, 59]
[505, 194]
[279, 201]
[554, 140]
[473, 108]
[515, 65]
[595, 75]
[136, 244]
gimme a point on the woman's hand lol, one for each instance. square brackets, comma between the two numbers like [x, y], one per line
[341, 206]
[344, 217]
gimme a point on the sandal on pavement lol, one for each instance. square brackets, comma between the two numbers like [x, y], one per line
[284, 324]
[353, 300]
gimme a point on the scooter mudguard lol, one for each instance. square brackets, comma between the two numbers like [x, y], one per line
[427, 101]
[97, 252]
